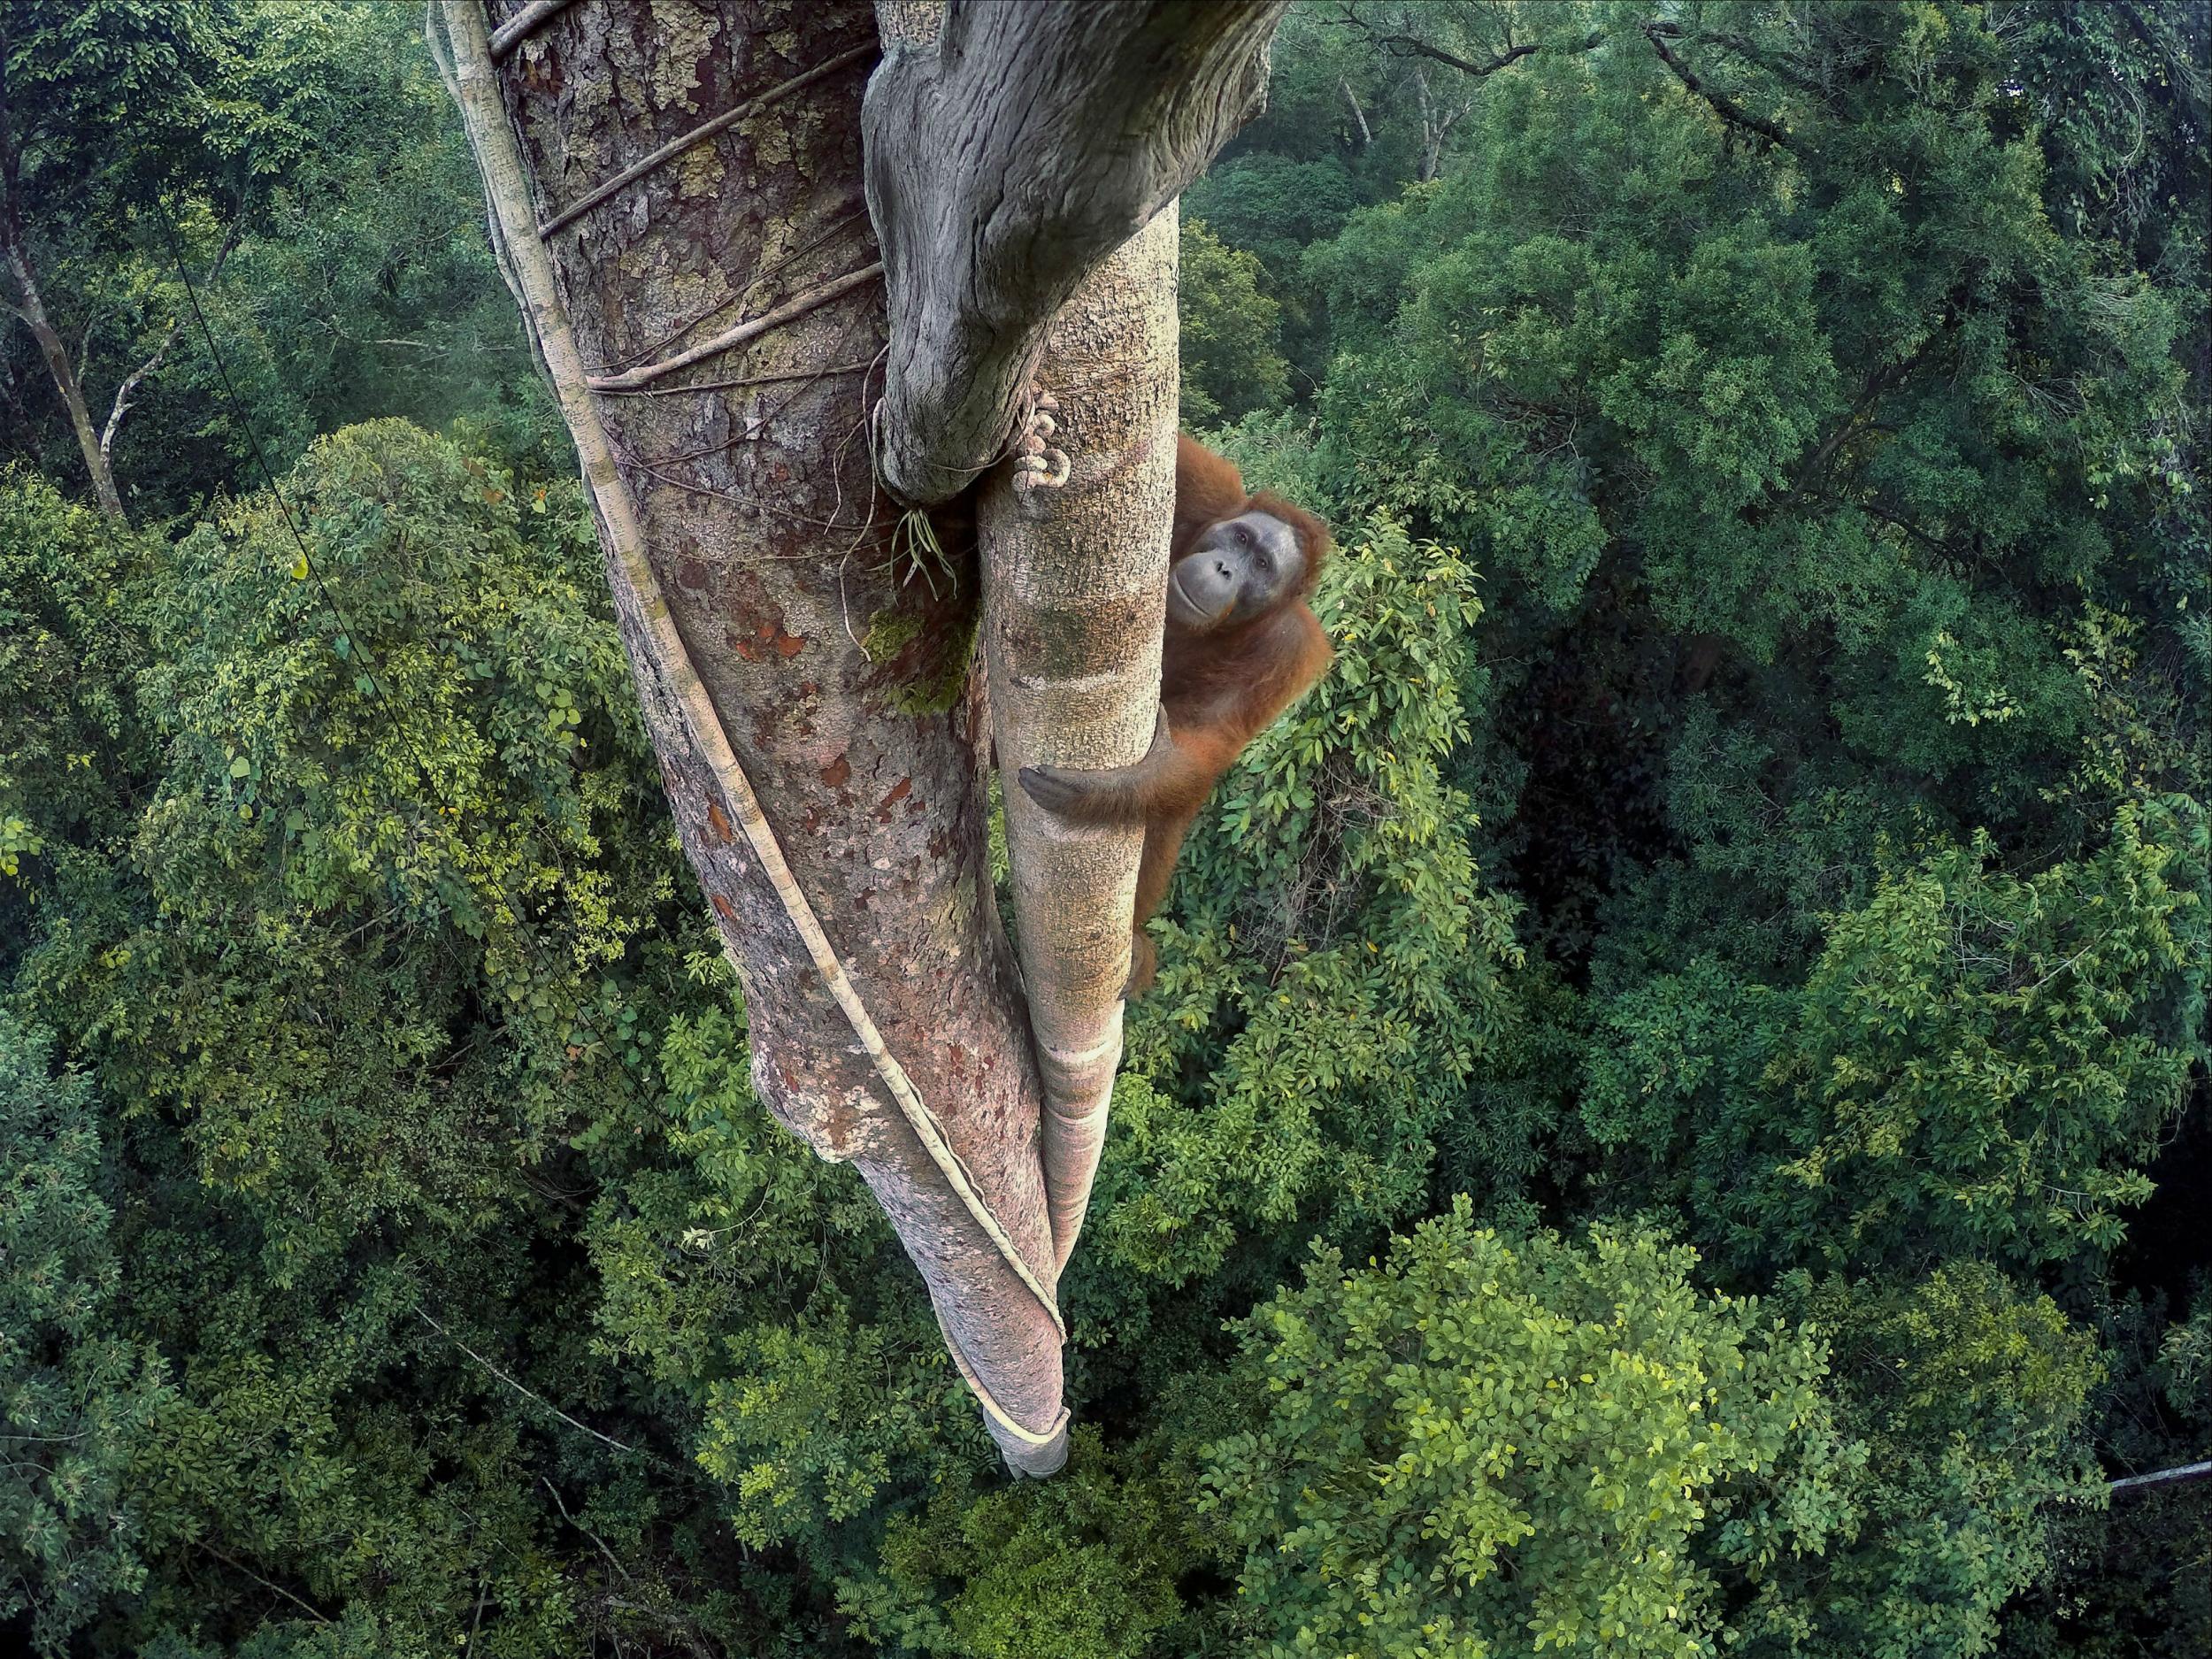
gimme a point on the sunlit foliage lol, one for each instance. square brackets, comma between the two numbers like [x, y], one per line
[1674, 1118]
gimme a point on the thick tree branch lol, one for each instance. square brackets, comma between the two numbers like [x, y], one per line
[1745, 49]
[1397, 43]
[1004, 160]
[1723, 106]
[1856, 420]
[1411, 46]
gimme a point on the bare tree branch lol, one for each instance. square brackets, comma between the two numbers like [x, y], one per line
[1398, 43]
[527, 1394]
[30, 305]
[132, 381]
[1723, 106]
[1366, 137]
[2163, 1478]
[1411, 46]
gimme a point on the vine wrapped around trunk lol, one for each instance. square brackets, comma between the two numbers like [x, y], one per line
[698, 263]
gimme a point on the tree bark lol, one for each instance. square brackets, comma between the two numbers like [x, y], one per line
[680, 212]
[1006, 157]
[764, 575]
[1075, 585]
[1358, 114]
[137, 377]
[30, 305]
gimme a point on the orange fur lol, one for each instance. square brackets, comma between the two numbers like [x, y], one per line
[1219, 690]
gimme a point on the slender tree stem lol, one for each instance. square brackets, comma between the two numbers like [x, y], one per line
[2174, 1477]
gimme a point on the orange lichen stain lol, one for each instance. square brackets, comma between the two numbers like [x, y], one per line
[835, 773]
[766, 637]
[724, 908]
[718, 823]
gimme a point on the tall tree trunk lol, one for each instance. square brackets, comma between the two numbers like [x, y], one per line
[1431, 155]
[1075, 584]
[680, 212]
[30, 305]
[1011, 148]
[767, 570]
[1358, 114]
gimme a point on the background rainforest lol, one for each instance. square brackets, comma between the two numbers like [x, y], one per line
[1676, 1117]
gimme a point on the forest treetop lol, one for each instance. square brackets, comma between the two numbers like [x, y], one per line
[1691, 1040]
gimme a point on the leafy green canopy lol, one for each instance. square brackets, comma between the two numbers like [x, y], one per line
[358, 921]
[1232, 335]
[1332, 967]
[1969, 1397]
[1797, 847]
[327, 210]
[414, 723]
[1823, 419]
[1976, 1066]
[1486, 1448]
[69, 741]
[76, 1395]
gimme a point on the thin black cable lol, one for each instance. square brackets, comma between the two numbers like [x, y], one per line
[640, 1088]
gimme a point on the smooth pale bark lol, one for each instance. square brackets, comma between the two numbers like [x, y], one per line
[1074, 586]
[843, 695]
[31, 307]
[1006, 156]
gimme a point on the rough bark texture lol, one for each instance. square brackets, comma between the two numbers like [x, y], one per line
[844, 695]
[1074, 589]
[1006, 157]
